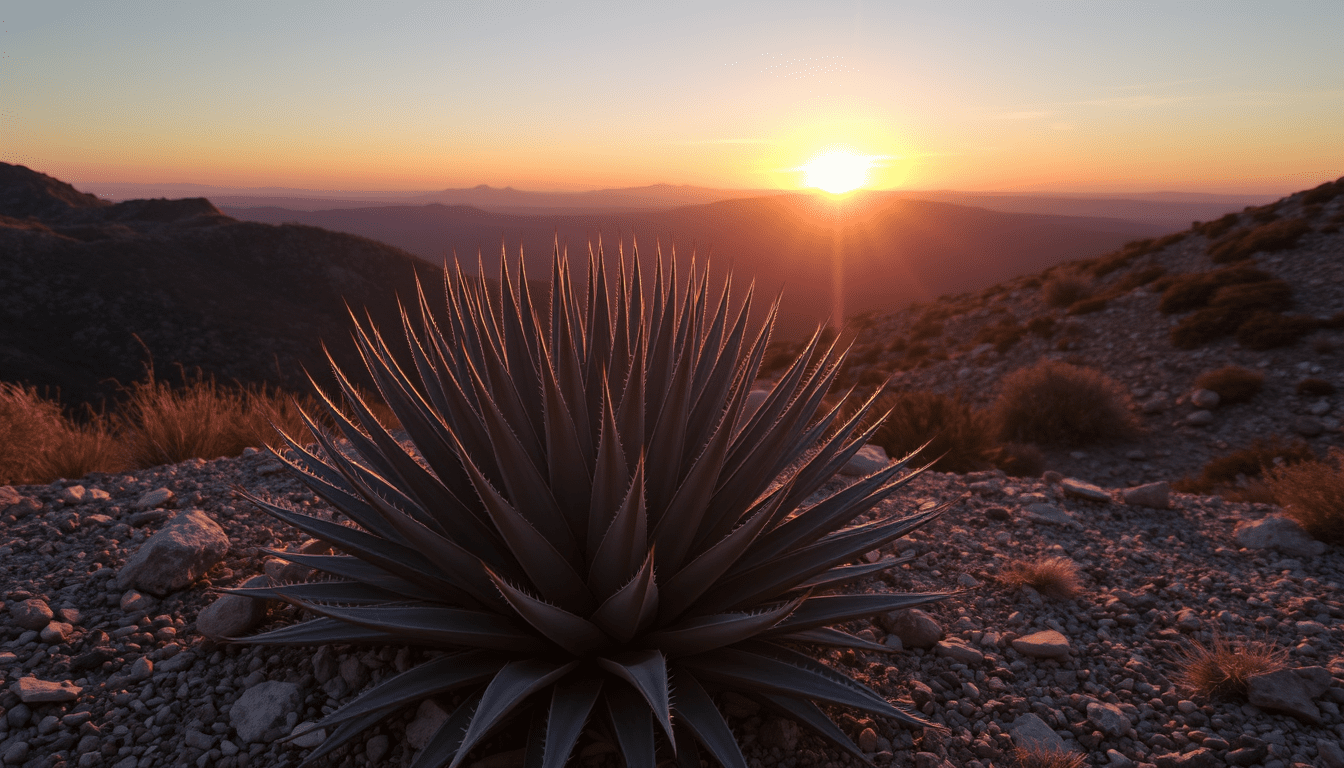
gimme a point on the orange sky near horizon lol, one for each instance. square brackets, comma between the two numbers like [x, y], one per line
[1080, 97]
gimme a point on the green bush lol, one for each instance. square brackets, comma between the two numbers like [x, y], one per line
[1268, 237]
[1232, 383]
[1054, 403]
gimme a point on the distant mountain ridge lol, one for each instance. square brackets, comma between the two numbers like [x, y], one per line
[84, 279]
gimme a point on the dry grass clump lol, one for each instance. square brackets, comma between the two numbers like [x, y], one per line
[1182, 293]
[1234, 475]
[1218, 227]
[39, 444]
[1314, 387]
[1019, 459]
[1066, 289]
[1038, 756]
[1232, 383]
[1054, 403]
[1271, 330]
[1312, 493]
[1087, 306]
[1323, 193]
[1003, 334]
[1268, 237]
[960, 434]
[1042, 326]
[1055, 577]
[1222, 668]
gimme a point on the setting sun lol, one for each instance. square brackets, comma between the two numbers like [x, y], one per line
[837, 171]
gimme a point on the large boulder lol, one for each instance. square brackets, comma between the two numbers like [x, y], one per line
[179, 554]
[1291, 691]
[1278, 533]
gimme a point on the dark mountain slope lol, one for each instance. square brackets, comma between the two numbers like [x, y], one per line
[241, 300]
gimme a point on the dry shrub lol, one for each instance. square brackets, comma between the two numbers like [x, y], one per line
[1218, 227]
[1234, 474]
[39, 444]
[1055, 577]
[959, 433]
[1019, 459]
[1312, 493]
[1232, 383]
[1003, 334]
[1053, 403]
[1204, 326]
[1271, 330]
[1315, 388]
[1040, 756]
[1274, 295]
[1183, 293]
[1066, 289]
[1087, 306]
[1137, 278]
[1268, 237]
[1323, 193]
[1222, 669]
[1043, 326]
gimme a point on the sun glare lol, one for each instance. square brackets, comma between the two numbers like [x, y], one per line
[837, 171]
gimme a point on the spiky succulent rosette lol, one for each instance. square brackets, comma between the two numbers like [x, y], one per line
[591, 522]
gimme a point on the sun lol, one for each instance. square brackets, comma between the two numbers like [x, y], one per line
[837, 171]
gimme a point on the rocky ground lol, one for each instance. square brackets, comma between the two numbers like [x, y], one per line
[107, 661]
[1128, 339]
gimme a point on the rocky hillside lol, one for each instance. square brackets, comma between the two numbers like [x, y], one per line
[90, 286]
[1261, 290]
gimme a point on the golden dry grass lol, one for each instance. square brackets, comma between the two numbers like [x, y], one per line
[1055, 577]
[1312, 493]
[1222, 668]
[1043, 757]
[39, 444]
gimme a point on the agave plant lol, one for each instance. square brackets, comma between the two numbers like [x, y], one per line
[591, 522]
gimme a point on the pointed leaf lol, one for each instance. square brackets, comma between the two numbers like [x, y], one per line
[632, 607]
[571, 702]
[574, 634]
[696, 709]
[647, 672]
[515, 682]
[633, 724]
[705, 633]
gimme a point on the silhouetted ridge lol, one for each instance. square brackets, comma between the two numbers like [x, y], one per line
[26, 193]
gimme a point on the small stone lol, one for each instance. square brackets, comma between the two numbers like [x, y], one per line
[17, 753]
[375, 749]
[998, 514]
[228, 748]
[151, 499]
[142, 669]
[868, 740]
[868, 460]
[1204, 398]
[1151, 495]
[198, 740]
[325, 665]
[1084, 490]
[1108, 718]
[30, 690]
[1030, 732]
[1308, 426]
[1199, 418]
[1279, 533]
[1050, 515]
[1198, 758]
[234, 615]
[1046, 644]
[914, 627]
[33, 613]
[263, 707]
[957, 652]
[72, 495]
[1118, 760]
[1329, 753]
[1188, 621]
[427, 720]
[136, 602]
[967, 580]
[307, 734]
[779, 732]
[56, 632]
[179, 554]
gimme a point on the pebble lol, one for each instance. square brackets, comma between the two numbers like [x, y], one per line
[1084, 490]
[914, 627]
[1046, 644]
[32, 613]
[155, 498]
[1151, 495]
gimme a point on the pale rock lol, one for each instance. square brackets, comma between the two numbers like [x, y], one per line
[33, 613]
[868, 740]
[1151, 495]
[180, 553]
[427, 720]
[1050, 515]
[376, 748]
[72, 495]
[1199, 418]
[30, 690]
[1156, 404]
[141, 669]
[868, 460]
[307, 734]
[1046, 644]
[1279, 533]
[1081, 489]
[56, 632]
[1205, 398]
[233, 615]
[779, 732]
[96, 494]
[14, 503]
[325, 665]
[915, 628]
[1188, 621]
[136, 602]
[1108, 718]
[1117, 760]
[1197, 758]
[1031, 732]
[963, 654]
[151, 499]
[1290, 691]
[263, 707]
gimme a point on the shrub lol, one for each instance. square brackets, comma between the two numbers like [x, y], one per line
[1192, 291]
[1232, 383]
[926, 328]
[1003, 335]
[1204, 326]
[1315, 388]
[1272, 295]
[1271, 330]
[960, 435]
[1219, 227]
[1312, 493]
[1222, 669]
[575, 562]
[1019, 459]
[1055, 577]
[1055, 403]
[1087, 306]
[1138, 278]
[1231, 471]
[1041, 756]
[1065, 289]
[39, 444]
[1268, 237]
[1323, 193]
[1043, 326]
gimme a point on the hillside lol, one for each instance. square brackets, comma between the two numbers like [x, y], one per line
[241, 300]
[895, 250]
[1262, 290]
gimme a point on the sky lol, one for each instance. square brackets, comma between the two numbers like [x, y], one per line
[1238, 97]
